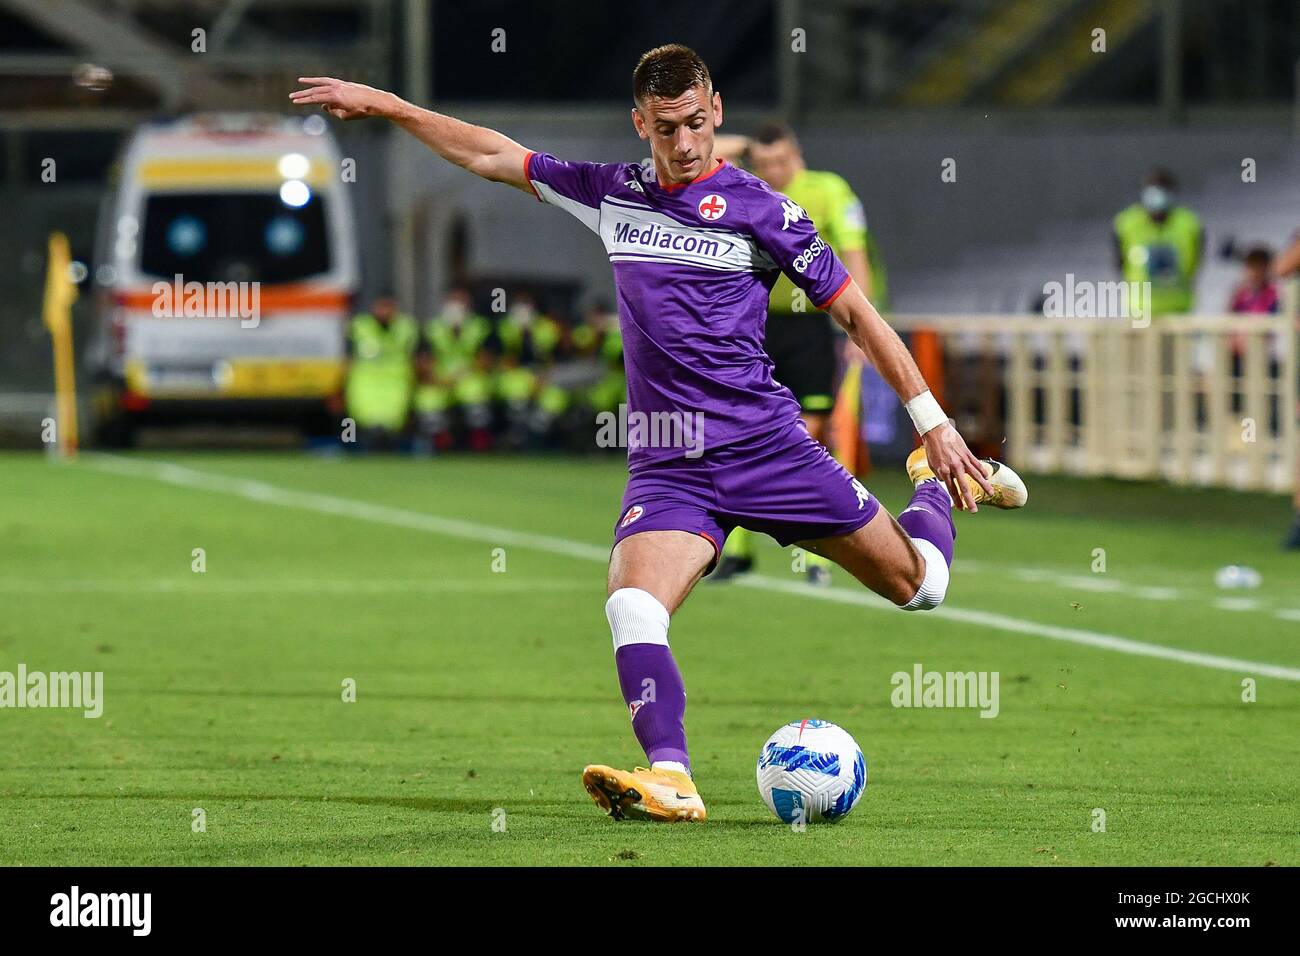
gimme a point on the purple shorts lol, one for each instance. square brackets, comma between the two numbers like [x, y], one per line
[781, 483]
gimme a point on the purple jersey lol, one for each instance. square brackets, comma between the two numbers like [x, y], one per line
[694, 265]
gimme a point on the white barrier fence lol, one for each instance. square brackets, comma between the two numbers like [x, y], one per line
[1190, 399]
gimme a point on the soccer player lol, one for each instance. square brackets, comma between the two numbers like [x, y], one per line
[696, 245]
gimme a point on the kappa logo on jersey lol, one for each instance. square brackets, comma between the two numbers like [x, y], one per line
[633, 513]
[712, 207]
[635, 184]
[633, 706]
[791, 212]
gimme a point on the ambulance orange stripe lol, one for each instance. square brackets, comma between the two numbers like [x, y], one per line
[270, 297]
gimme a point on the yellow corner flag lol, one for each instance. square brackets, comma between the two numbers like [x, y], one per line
[60, 293]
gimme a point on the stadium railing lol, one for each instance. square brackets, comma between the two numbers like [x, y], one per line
[1189, 399]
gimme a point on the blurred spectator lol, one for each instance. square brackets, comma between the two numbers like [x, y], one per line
[1160, 242]
[1256, 292]
[528, 344]
[380, 345]
[597, 338]
[455, 376]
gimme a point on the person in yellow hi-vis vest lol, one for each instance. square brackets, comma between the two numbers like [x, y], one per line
[528, 341]
[598, 338]
[1159, 242]
[454, 365]
[380, 377]
[802, 341]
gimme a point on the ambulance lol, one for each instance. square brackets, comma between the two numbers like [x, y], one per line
[225, 271]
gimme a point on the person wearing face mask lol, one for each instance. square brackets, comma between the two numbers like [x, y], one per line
[1160, 242]
[455, 385]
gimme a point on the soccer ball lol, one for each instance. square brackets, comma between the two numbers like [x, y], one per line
[811, 770]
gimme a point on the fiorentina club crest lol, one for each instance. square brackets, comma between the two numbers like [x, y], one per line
[712, 207]
[633, 513]
[633, 706]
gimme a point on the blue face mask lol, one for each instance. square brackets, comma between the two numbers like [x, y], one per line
[1156, 198]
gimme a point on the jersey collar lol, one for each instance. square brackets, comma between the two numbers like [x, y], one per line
[673, 187]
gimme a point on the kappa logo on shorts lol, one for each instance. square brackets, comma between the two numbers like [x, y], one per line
[633, 513]
[863, 495]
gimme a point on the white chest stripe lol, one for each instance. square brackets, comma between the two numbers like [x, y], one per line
[634, 233]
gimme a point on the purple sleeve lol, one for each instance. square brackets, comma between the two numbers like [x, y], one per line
[578, 188]
[784, 231]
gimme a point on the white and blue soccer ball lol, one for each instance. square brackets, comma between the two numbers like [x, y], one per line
[811, 770]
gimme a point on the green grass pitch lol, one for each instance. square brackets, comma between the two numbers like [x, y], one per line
[479, 688]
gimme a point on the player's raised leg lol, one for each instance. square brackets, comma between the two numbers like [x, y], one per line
[650, 574]
[908, 560]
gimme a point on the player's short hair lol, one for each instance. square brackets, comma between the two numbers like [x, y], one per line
[775, 132]
[667, 71]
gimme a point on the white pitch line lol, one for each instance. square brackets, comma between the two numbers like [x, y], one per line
[1016, 625]
[472, 531]
[1079, 582]
[1236, 604]
[346, 507]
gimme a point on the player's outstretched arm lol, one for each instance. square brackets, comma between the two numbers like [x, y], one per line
[945, 449]
[484, 152]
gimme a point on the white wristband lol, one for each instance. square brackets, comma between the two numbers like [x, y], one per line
[925, 411]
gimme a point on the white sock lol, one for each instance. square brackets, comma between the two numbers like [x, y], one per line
[669, 765]
[636, 617]
[935, 583]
